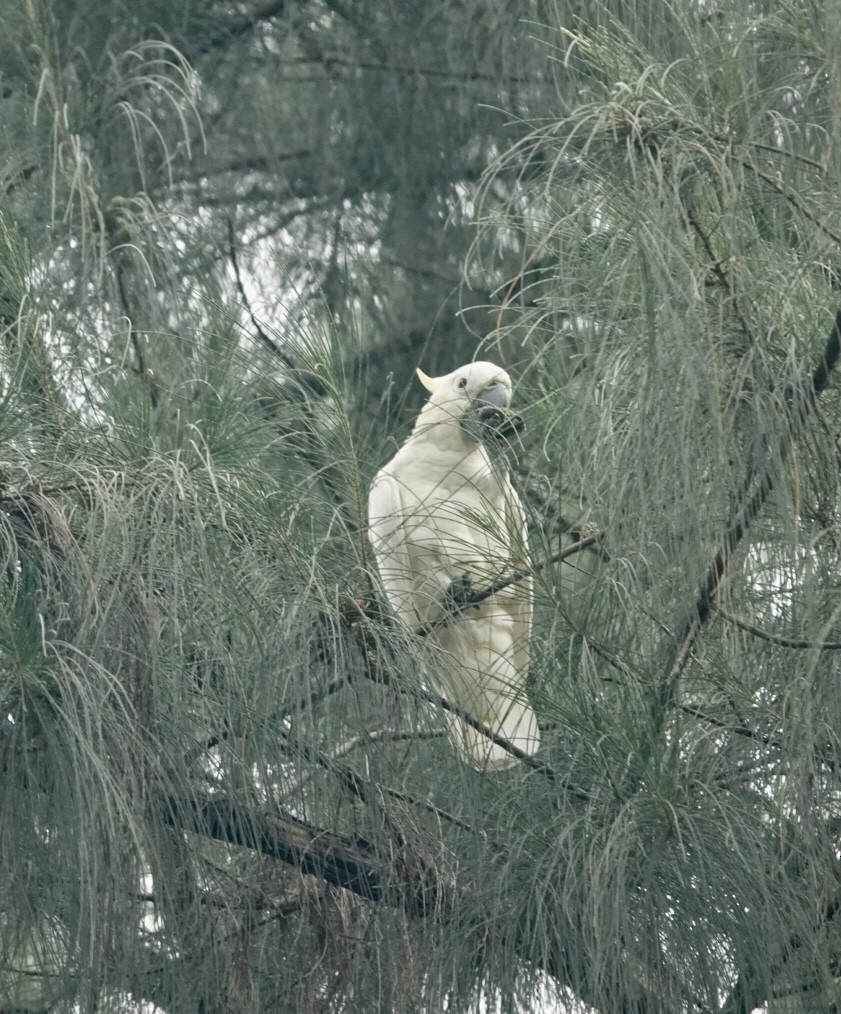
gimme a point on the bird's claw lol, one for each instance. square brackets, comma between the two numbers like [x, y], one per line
[459, 593]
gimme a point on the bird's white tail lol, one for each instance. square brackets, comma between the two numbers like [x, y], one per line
[517, 725]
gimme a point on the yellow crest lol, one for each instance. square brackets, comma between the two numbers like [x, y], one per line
[430, 383]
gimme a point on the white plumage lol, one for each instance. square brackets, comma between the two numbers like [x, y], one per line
[442, 509]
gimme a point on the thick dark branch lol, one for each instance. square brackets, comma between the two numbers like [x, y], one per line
[351, 862]
[828, 362]
[390, 875]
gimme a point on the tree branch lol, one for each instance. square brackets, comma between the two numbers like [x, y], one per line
[351, 862]
[377, 674]
[403, 70]
[749, 990]
[783, 641]
[476, 598]
[368, 791]
[224, 32]
[757, 489]
[739, 730]
[391, 875]
[719, 271]
[306, 379]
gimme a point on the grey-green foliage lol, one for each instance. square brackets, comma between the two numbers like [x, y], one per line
[683, 219]
[223, 787]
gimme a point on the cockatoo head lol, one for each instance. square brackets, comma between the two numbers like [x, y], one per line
[476, 396]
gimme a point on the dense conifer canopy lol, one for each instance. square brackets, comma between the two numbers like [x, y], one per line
[229, 232]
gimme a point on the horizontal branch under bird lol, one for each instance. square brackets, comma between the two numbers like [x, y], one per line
[506, 580]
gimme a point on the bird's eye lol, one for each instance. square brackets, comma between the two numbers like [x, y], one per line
[462, 383]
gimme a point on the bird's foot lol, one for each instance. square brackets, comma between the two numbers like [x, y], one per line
[458, 595]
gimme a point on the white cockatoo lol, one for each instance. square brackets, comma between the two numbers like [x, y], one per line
[445, 521]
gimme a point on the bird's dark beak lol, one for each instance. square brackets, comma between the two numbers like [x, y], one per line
[490, 418]
[497, 395]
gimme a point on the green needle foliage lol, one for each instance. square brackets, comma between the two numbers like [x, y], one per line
[228, 234]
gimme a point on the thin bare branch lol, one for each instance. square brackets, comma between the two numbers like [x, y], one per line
[781, 639]
[476, 598]
[738, 730]
[758, 487]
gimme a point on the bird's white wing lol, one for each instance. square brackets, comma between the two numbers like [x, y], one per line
[387, 533]
[490, 652]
